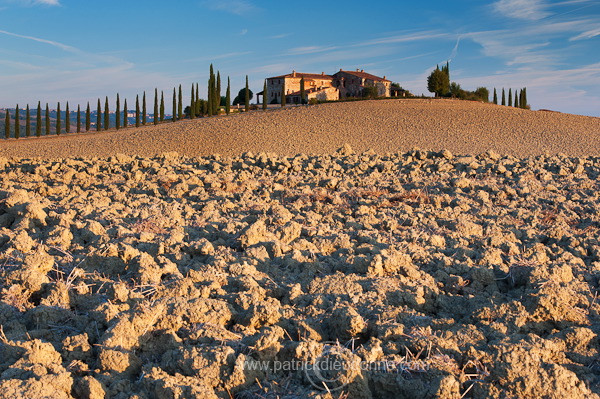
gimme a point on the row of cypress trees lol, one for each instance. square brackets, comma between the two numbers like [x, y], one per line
[520, 100]
[197, 107]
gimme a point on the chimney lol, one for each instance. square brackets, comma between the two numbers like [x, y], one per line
[362, 70]
[357, 69]
[384, 77]
[322, 73]
[340, 69]
[294, 73]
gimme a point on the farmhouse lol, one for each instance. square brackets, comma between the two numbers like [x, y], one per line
[323, 87]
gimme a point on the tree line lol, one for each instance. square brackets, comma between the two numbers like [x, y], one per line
[438, 82]
[520, 100]
[45, 122]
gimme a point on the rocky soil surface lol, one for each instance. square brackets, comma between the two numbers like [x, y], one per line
[390, 126]
[358, 275]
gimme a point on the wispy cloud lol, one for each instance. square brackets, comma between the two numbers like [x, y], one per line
[522, 9]
[29, 3]
[586, 35]
[37, 39]
[237, 7]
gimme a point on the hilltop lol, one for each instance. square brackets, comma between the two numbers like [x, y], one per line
[386, 126]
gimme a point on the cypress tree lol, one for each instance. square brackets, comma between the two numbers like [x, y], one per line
[58, 126]
[218, 94]
[88, 118]
[283, 93]
[180, 105]
[67, 119]
[503, 97]
[228, 97]
[137, 111]
[302, 91]
[38, 120]
[193, 104]
[17, 124]
[510, 97]
[265, 96]
[7, 124]
[144, 110]
[47, 120]
[27, 122]
[210, 94]
[78, 118]
[174, 105]
[118, 114]
[197, 102]
[524, 102]
[155, 119]
[495, 96]
[247, 96]
[517, 100]
[125, 112]
[99, 117]
[162, 106]
[106, 115]
[211, 90]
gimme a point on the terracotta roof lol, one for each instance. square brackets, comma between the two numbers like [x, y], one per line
[365, 75]
[312, 76]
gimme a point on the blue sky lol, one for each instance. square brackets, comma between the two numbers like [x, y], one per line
[80, 50]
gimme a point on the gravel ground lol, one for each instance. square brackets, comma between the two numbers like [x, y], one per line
[385, 126]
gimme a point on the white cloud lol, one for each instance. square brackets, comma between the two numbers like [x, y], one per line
[37, 39]
[587, 35]
[522, 9]
[48, 2]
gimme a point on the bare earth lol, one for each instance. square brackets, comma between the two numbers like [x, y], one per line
[383, 126]
[359, 275]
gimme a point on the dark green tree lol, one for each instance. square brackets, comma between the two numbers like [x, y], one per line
[58, 117]
[180, 105]
[144, 110]
[99, 117]
[228, 97]
[67, 119]
[495, 96]
[137, 111]
[125, 113]
[78, 118]
[38, 120]
[517, 99]
[106, 115]
[510, 97]
[174, 105]
[118, 113]
[155, 118]
[283, 93]
[27, 122]
[197, 103]
[438, 82]
[265, 96]
[503, 97]
[47, 120]
[193, 104]
[524, 102]
[302, 91]
[17, 123]
[88, 118]
[162, 106]
[218, 93]
[7, 124]
[247, 96]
